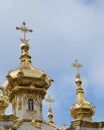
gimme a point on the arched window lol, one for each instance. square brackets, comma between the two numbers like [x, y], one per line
[30, 104]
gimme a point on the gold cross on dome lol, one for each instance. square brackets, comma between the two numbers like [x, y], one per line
[24, 29]
[49, 100]
[77, 66]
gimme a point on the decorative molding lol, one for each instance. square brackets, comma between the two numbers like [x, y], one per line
[8, 118]
[31, 111]
[87, 124]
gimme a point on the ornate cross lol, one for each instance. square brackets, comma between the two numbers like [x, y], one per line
[49, 100]
[77, 65]
[24, 29]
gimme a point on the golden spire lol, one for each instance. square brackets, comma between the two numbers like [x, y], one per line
[50, 114]
[81, 109]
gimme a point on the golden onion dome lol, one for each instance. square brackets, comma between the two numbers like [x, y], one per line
[26, 77]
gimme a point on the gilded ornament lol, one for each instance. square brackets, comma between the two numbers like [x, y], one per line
[31, 112]
[13, 105]
[40, 106]
[19, 105]
[25, 99]
[30, 96]
[4, 102]
[8, 128]
[36, 124]
[50, 114]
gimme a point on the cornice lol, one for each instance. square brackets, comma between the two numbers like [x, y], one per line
[18, 89]
[87, 124]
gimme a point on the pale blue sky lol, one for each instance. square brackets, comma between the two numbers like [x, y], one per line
[63, 30]
[89, 2]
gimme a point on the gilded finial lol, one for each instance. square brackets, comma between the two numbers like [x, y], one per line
[49, 100]
[77, 66]
[64, 125]
[50, 114]
[24, 29]
[24, 43]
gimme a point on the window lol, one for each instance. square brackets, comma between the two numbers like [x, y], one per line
[30, 104]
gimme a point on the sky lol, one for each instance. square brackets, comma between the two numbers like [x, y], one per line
[63, 31]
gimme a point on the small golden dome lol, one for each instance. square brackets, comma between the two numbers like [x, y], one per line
[82, 110]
